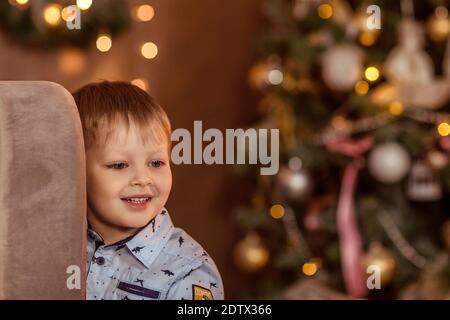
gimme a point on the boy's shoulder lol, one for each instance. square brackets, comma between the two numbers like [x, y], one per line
[184, 254]
[197, 275]
[184, 247]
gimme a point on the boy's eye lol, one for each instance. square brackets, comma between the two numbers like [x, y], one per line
[156, 163]
[118, 165]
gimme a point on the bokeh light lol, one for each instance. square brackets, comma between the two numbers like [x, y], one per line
[149, 50]
[52, 14]
[84, 4]
[104, 43]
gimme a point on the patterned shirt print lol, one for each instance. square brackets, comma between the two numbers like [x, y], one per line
[159, 262]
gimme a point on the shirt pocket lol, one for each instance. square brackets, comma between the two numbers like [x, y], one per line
[128, 291]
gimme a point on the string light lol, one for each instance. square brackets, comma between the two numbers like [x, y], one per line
[309, 268]
[141, 83]
[361, 87]
[396, 108]
[367, 38]
[443, 129]
[67, 14]
[149, 50]
[277, 211]
[52, 14]
[325, 11]
[144, 13]
[339, 123]
[372, 73]
[84, 4]
[104, 43]
[21, 2]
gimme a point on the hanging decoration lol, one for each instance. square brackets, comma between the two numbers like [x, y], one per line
[423, 183]
[410, 71]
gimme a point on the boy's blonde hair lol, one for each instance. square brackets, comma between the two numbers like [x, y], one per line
[101, 105]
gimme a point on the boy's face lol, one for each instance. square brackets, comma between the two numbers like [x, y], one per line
[128, 182]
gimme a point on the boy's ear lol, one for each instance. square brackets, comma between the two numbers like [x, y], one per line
[42, 193]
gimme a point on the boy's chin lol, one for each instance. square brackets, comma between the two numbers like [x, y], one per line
[138, 222]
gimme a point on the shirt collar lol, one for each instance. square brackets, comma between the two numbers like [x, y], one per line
[147, 243]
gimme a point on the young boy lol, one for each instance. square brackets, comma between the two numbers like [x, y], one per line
[133, 249]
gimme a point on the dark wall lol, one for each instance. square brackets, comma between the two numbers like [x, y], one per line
[200, 73]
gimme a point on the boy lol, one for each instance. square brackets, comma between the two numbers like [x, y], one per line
[133, 249]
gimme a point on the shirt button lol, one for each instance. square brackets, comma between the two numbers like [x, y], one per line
[91, 236]
[100, 261]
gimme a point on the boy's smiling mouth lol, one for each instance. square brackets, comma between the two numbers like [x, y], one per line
[138, 201]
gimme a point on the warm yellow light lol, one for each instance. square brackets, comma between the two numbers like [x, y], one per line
[52, 14]
[104, 43]
[309, 268]
[257, 256]
[144, 13]
[361, 87]
[325, 11]
[444, 129]
[339, 123]
[71, 61]
[277, 211]
[141, 83]
[367, 38]
[68, 14]
[84, 4]
[289, 83]
[396, 108]
[22, 2]
[372, 73]
[149, 50]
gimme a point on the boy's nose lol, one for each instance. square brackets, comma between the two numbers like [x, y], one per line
[141, 180]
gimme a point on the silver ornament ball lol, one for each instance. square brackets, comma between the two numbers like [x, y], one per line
[389, 162]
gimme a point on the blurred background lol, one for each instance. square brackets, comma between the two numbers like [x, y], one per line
[360, 91]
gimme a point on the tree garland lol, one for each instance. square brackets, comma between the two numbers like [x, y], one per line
[26, 23]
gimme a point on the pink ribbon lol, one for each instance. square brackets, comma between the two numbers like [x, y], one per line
[350, 239]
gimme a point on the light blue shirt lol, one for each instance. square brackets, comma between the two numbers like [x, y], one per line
[159, 262]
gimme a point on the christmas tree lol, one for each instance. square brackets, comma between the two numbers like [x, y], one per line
[359, 208]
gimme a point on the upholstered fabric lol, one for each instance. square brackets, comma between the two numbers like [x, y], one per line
[42, 192]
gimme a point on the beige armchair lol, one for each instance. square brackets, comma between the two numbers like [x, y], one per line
[42, 193]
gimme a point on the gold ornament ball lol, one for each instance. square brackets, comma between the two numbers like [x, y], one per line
[250, 254]
[383, 258]
[257, 76]
[438, 28]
